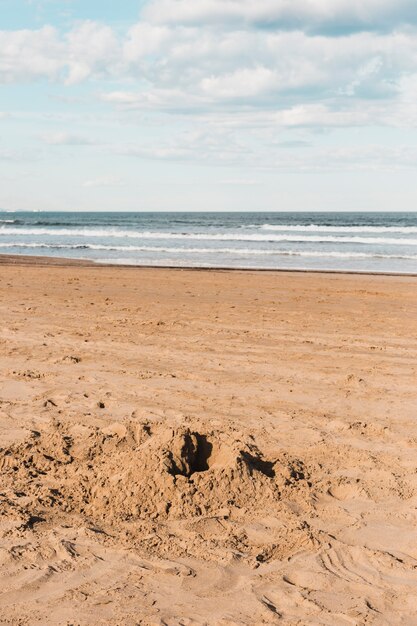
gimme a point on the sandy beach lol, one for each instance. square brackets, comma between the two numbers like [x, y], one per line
[184, 447]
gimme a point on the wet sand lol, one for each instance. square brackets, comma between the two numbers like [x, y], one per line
[206, 447]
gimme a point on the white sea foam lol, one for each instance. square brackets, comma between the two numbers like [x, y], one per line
[158, 235]
[342, 229]
[225, 251]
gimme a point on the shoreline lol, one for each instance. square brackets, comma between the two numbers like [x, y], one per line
[47, 261]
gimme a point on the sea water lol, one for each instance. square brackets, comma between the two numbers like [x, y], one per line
[376, 242]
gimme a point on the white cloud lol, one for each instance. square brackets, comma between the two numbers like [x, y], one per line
[334, 15]
[189, 68]
[88, 49]
[243, 83]
[220, 146]
[157, 99]
[268, 71]
[92, 49]
[28, 54]
[67, 139]
[145, 39]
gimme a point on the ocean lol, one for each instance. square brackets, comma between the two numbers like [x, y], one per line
[366, 242]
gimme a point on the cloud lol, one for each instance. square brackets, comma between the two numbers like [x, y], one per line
[28, 54]
[67, 139]
[263, 71]
[89, 49]
[335, 16]
[230, 150]
[247, 82]
[145, 39]
[104, 181]
[92, 49]
[250, 81]
[203, 145]
[187, 65]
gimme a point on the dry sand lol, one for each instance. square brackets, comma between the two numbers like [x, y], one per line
[190, 447]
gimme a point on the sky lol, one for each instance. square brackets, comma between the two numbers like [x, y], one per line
[272, 105]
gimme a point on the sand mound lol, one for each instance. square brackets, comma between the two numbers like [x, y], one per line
[139, 470]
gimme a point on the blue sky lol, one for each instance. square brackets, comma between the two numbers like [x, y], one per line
[208, 105]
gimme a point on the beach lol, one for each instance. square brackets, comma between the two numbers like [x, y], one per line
[189, 447]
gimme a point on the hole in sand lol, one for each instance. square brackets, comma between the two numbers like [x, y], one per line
[193, 457]
[193, 453]
[202, 454]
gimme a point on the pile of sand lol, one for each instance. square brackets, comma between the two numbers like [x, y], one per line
[129, 474]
